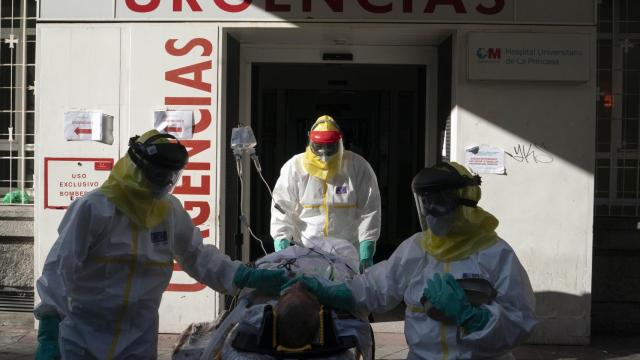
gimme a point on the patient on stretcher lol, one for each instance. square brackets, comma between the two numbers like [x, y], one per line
[297, 314]
[293, 326]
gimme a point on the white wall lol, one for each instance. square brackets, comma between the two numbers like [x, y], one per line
[123, 71]
[75, 70]
[545, 207]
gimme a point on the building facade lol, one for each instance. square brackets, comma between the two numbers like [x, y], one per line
[410, 81]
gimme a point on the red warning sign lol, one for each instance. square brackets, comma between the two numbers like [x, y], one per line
[67, 179]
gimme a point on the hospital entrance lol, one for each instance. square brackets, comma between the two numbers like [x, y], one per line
[380, 109]
[383, 97]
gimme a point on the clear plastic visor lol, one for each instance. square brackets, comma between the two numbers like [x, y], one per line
[435, 204]
[325, 150]
[163, 181]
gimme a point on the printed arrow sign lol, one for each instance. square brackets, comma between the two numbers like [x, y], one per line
[178, 123]
[79, 131]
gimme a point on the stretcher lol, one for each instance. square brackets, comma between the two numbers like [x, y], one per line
[246, 330]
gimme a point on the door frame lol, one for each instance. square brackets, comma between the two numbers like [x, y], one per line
[312, 54]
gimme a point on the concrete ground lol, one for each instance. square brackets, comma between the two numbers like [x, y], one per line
[18, 341]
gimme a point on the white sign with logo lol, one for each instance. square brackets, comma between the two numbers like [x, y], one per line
[67, 179]
[528, 56]
[178, 123]
[485, 159]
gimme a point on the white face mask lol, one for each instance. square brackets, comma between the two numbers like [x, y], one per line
[441, 225]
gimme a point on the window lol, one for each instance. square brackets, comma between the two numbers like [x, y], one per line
[617, 188]
[17, 85]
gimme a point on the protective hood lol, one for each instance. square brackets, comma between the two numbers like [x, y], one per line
[325, 130]
[472, 228]
[129, 191]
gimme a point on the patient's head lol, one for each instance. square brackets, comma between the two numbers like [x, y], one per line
[298, 319]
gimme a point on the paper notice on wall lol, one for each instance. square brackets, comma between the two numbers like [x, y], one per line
[485, 160]
[178, 123]
[88, 125]
[83, 125]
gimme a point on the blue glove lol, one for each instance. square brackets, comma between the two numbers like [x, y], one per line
[367, 249]
[48, 338]
[446, 295]
[281, 244]
[264, 280]
[334, 296]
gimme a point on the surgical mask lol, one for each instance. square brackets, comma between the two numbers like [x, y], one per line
[441, 225]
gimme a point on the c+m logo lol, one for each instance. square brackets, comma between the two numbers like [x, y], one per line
[488, 53]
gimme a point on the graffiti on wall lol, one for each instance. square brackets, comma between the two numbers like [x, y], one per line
[531, 153]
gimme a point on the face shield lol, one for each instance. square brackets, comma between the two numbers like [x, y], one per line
[436, 192]
[162, 181]
[435, 204]
[324, 151]
[160, 161]
[325, 138]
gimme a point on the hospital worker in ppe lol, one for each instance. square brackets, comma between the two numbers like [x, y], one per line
[467, 295]
[104, 277]
[327, 191]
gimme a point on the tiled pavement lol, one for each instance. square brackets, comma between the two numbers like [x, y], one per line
[18, 341]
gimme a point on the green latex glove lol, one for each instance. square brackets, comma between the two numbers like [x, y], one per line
[281, 244]
[334, 296]
[264, 280]
[446, 295]
[48, 338]
[367, 249]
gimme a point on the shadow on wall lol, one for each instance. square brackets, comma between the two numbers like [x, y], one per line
[538, 114]
[562, 318]
[563, 333]
[601, 348]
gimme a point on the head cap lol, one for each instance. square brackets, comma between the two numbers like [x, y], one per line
[442, 177]
[325, 131]
[160, 160]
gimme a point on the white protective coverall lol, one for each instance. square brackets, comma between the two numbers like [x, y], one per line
[106, 279]
[404, 276]
[347, 206]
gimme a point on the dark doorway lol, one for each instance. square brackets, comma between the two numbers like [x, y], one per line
[381, 110]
